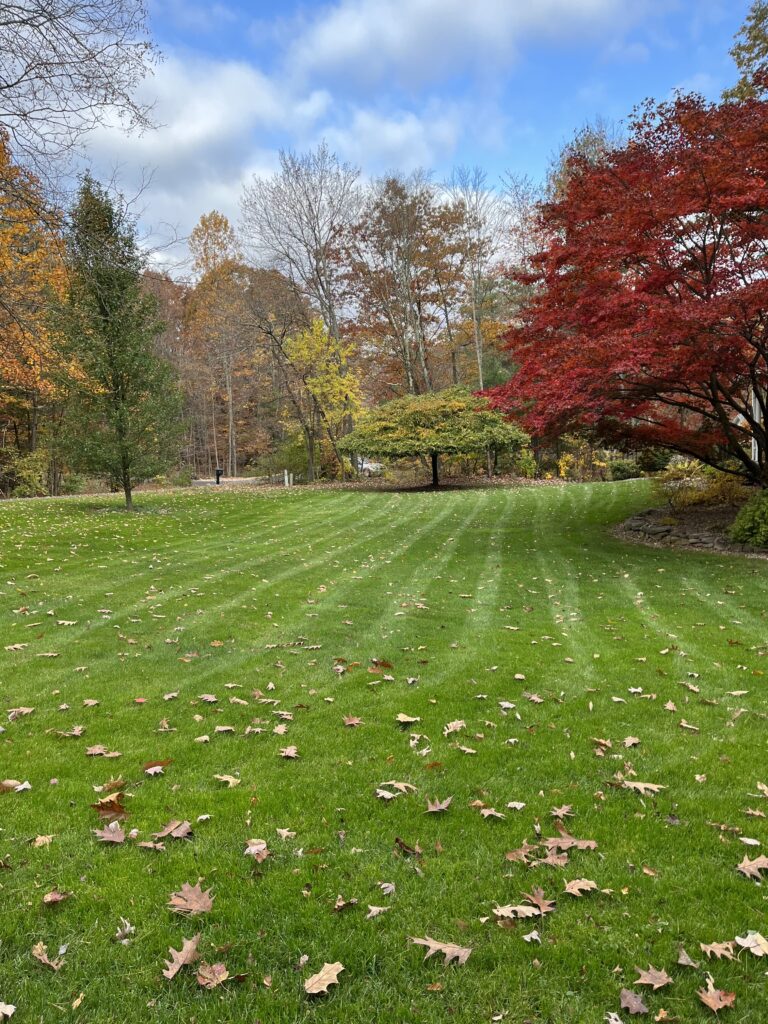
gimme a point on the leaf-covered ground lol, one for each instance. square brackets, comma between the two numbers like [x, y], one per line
[545, 666]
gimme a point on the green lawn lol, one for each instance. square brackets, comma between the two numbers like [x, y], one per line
[248, 596]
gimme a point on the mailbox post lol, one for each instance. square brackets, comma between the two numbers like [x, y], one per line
[219, 475]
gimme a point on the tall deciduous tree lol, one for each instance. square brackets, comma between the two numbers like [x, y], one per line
[124, 408]
[31, 278]
[648, 319]
[293, 221]
[750, 54]
[449, 422]
[66, 66]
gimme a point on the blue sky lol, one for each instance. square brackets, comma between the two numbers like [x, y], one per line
[398, 84]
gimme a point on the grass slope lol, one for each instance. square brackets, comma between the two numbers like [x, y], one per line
[460, 591]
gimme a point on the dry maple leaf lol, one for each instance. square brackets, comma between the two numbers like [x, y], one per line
[450, 951]
[329, 975]
[491, 812]
[111, 833]
[291, 753]
[653, 977]
[579, 886]
[40, 952]
[566, 811]
[111, 806]
[436, 806]
[257, 848]
[351, 721]
[631, 1001]
[715, 998]
[182, 957]
[190, 899]
[211, 975]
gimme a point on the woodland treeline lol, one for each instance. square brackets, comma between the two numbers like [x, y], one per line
[619, 303]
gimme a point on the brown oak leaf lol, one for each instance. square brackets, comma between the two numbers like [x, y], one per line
[450, 951]
[40, 952]
[715, 998]
[182, 957]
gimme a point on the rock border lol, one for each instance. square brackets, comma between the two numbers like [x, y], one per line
[698, 528]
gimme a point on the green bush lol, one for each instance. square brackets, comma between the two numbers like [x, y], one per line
[72, 483]
[524, 463]
[625, 469]
[653, 460]
[751, 524]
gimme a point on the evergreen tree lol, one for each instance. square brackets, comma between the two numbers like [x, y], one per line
[123, 417]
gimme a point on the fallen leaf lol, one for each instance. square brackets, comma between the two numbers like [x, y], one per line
[329, 975]
[211, 975]
[715, 998]
[450, 951]
[631, 1001]
[190, 899]
[656, 979]
[40, 952]
[182, 957]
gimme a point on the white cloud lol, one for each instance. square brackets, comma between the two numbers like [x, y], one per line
[409, 42]
[213, 118]
[400, 141]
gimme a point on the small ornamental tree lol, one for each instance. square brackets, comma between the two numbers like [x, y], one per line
[649, 304]
[450, 422]
[123, 415]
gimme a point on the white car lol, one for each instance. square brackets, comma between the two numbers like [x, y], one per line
[368, 468]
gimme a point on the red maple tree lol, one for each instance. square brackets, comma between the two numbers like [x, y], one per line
[650, 296]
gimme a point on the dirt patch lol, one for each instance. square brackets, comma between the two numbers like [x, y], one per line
[700, 528]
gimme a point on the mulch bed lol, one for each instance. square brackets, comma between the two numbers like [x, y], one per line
[700, 528]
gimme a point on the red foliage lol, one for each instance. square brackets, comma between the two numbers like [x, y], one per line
[648, 320]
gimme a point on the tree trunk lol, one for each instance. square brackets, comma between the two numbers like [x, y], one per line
[309, 439]
[231, 440]
[128, 489]
[435, 480]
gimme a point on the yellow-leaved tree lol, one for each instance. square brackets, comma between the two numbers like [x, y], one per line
[330, 388]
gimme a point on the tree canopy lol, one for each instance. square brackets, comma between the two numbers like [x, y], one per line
[449, 422]
[647, 320]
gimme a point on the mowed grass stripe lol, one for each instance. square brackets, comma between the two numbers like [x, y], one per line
[263, 922]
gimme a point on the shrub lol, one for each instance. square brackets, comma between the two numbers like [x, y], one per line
[625, 469]
[751, 524]
[687, 482]
[524, 463]
[654, 460]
